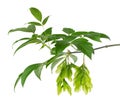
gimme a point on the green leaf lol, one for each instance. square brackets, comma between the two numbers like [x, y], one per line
[36, 13]
[48, 31]
[38, 70]
[73, 57]
[22, 39]
[55, 37]
[96, 36]
[92, 35]
[17, 80]
[79, 33]
[30, 28]
[104, 36]
[49, 61]
[68, 30]
[45, 20]
[69, 38]
[60, 46]
[27, 72]
[30, 41]
[84, 46]
[35, 23]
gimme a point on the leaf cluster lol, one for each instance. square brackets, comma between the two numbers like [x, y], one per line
[59, 46]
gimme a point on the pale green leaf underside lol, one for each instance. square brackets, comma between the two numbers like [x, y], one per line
[73, 57]
[55, 62]
[38, 70]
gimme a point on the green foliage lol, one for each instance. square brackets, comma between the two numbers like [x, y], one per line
[84, 46]
[63, 59]
[35, 23]
[31, 40]
[91, 35]
[37, 68]
[30, 28]
[45, 20]
[60, 46]
[68, 30]
[36, 13]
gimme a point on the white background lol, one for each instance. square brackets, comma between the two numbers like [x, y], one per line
[89, 15]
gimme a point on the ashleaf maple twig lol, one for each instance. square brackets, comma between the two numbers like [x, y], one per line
[63, 62]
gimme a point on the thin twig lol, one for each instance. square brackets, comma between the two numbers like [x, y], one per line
[105, 46]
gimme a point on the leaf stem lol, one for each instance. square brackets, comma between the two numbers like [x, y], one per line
[106, 46]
